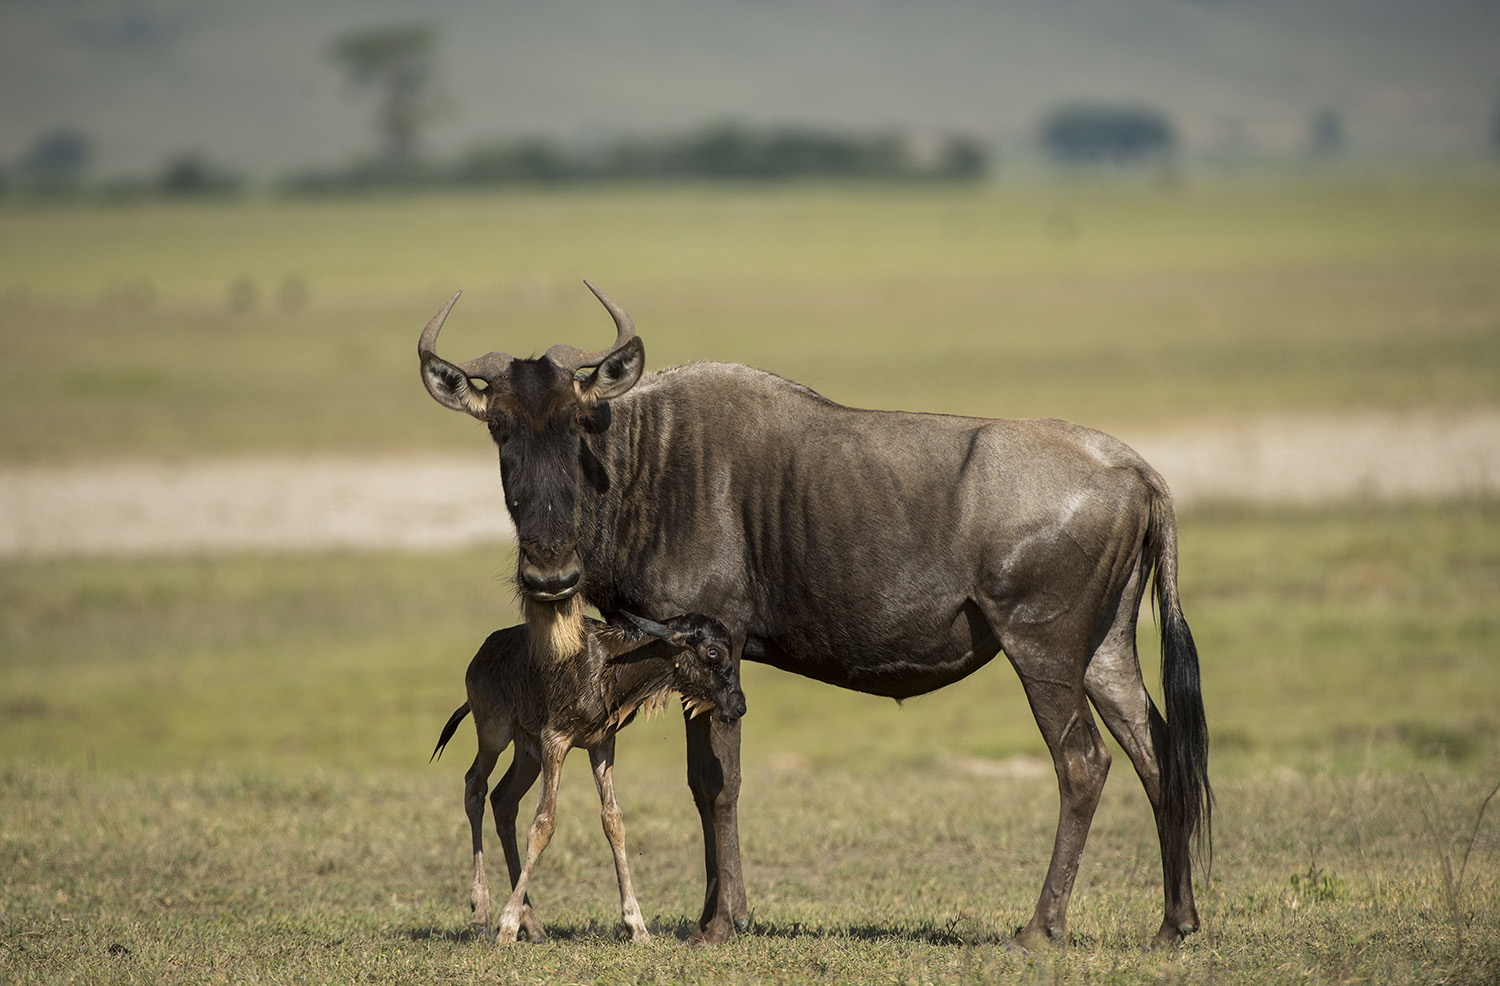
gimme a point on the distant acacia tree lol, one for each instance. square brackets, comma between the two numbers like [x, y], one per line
[397, 61]
[1086, 133]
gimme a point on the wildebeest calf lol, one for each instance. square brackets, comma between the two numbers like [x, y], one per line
[518, 693]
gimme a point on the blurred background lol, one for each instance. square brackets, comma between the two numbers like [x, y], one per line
[133, 94]
[1259, 240]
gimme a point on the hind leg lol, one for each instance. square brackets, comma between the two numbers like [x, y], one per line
[1114, 684]
[1079, 756]
[506, 802]
[476, 781]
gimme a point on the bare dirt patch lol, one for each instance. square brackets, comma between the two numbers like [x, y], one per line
[436, 502]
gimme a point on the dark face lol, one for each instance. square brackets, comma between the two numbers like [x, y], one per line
[705, 669]
[538, 411]
[538, 427]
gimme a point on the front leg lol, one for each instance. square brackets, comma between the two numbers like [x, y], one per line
[506, 801]
[713, 756]
[602, 757]
[554, 749]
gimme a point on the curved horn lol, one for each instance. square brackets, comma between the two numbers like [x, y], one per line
[427, 344]
[489, 367]
[569, 358]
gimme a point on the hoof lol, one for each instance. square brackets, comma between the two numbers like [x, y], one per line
[715, 933]
[506, 932]
[1172, 935]
[1029, 939]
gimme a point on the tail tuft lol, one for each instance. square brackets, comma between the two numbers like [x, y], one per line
[1187, 797]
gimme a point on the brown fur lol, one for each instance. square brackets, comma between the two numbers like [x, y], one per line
[547, 705]
[884, 551]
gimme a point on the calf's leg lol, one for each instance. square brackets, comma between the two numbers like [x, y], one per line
[506, 801]
[475, 783]
[602, 758]
[554, 749]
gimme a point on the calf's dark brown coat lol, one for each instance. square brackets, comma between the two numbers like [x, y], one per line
[547, 704]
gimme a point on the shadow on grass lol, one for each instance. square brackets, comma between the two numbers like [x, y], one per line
[925, 933]
[589, 932]
[454, 936]
[684, 929]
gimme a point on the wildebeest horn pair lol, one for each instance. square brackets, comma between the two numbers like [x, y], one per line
[492, 366]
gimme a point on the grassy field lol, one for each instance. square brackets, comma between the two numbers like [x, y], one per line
[1111, 305]
[219, 766]
[214, 769]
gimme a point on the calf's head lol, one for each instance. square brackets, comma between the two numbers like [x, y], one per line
[703, 671]
[538, 410]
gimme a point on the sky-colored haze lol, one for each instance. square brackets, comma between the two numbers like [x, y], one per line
[252, 84]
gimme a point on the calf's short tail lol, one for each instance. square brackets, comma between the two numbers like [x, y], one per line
[448, 730]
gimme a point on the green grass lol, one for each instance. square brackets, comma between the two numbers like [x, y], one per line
[216, 877]
[220, 766]
[214, 769]
[1333, 639]
[1110, 304]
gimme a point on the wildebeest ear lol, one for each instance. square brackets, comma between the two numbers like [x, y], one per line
[614, 376]
[450, 387]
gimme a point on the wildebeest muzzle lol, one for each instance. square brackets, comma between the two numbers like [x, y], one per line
[548, 576]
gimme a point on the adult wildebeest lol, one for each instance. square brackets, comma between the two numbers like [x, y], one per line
[888, 552]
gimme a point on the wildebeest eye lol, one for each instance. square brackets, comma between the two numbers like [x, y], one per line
[714, 654]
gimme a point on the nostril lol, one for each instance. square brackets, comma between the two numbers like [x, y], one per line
[558, 582]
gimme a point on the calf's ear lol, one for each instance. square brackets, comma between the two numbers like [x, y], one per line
[650, 627]
[613, 376]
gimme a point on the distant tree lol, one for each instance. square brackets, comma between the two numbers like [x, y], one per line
[1325, 133]
[56, 161]
[963, 158]
[396, 61]
[533, 159]
[1100, 133]
[191, 174]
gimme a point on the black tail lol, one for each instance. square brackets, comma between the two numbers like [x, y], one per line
[448, 730]
[1187, 798]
